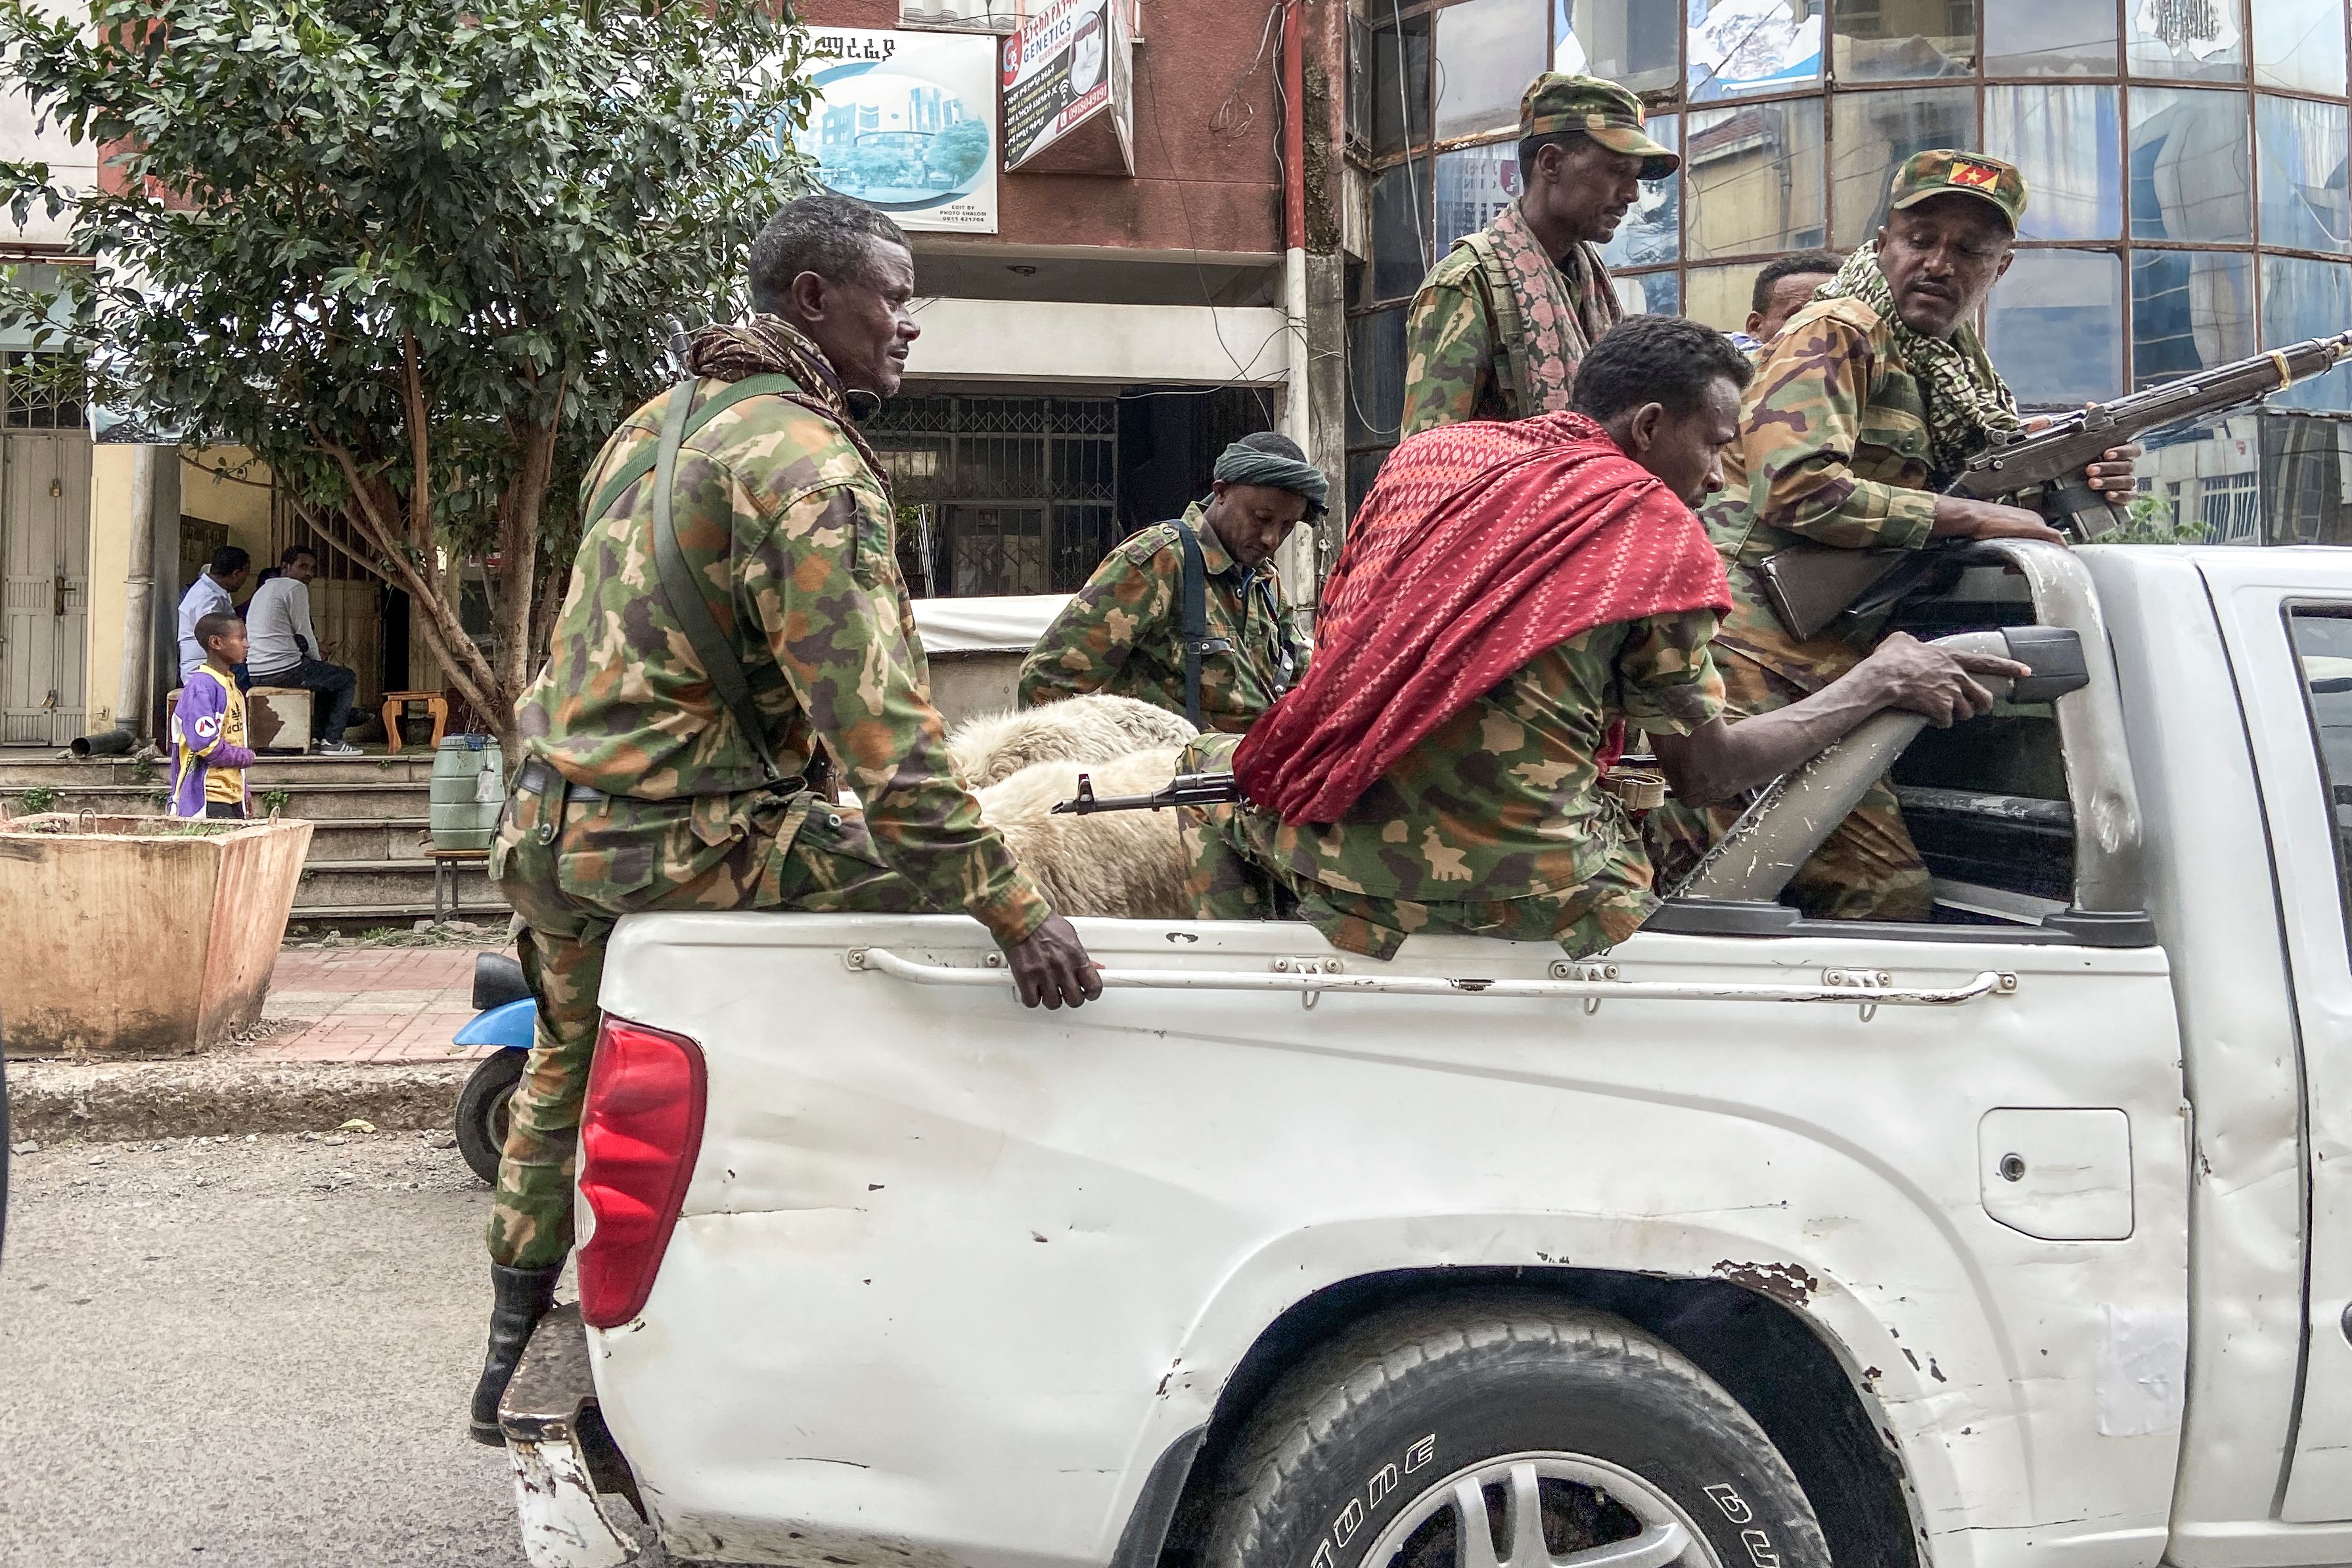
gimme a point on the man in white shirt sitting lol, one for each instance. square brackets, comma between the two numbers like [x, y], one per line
[285, 649]
[210, 594]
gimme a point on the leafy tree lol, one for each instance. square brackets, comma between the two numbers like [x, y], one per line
[419, 259]
[879, 162]
[958, 151]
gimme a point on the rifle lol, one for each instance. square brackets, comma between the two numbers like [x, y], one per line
[1185, 789]
[1809, 585]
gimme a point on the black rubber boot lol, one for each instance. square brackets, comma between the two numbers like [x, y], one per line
[523, 1297]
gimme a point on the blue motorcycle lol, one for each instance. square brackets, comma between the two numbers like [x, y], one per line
[506, 1016]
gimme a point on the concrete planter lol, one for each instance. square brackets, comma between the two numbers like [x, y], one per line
[140, 935]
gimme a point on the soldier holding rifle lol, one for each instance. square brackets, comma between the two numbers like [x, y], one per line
[1873, 399]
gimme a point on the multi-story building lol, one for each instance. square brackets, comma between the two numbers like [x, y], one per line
[2187, 159]
[1231, 241]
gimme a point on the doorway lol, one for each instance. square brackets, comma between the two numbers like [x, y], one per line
[44, 554]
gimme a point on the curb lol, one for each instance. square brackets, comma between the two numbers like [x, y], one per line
[54, 1101]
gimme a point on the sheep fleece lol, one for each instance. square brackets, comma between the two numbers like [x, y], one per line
[1130, 865]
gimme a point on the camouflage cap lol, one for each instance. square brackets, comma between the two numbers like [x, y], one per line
[1945, 173]
[1611, 116]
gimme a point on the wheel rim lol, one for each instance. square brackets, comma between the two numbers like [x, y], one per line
[1545, 1510]
[498, 1118]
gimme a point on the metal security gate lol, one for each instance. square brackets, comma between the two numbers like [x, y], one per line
[1023, 491]
[45, 552]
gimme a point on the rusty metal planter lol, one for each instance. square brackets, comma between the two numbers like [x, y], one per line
[136, 935]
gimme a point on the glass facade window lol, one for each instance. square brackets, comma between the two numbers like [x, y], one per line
[1487, 52]
[2192, 174]
[1401, 252]
[2050, 38]
[2056, 328]
[2299, 153]
[1903, 42]
[1752, 179]
[1652, 234]
[1400, 83]
[1873, 132]
[1375, 377]
[2306, 298]
[1474, 183]
[2064, 140]
[1634, 42]
[2190, 310]
[2189, 40]
[1719, 296]
[2299, 45]
[2187, 159]
[1738, 47]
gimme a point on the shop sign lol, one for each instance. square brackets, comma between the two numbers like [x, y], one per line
[1070, 65]
[904, 122]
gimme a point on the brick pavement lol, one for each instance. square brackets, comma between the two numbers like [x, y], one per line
[368, 1004]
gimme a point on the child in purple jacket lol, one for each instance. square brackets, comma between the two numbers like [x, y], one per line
[208, 751]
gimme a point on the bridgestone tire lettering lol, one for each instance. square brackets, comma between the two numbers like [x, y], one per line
[1364, 1427]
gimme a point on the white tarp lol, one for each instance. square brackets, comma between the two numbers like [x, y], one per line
[1005, 625]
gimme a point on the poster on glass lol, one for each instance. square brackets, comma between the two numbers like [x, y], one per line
[904, 121]
[1752, 45]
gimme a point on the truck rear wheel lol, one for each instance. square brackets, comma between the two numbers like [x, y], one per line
[1504, 1431]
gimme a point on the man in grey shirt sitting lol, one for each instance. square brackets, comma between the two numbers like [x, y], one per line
[285, 649]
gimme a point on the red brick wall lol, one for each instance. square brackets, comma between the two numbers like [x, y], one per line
[1194, 187]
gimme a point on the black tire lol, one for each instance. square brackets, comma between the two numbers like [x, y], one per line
[482, 1111]
[1386, 1422]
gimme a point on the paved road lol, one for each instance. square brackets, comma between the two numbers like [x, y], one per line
[247, 1353]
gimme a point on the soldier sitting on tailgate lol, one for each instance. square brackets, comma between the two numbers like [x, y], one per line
[735, 612]
[1513, 596]
[1188, 615]
[1868, 403]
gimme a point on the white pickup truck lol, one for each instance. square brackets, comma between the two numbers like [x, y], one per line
[2021, 1237]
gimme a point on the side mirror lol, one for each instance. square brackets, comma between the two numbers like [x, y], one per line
[2054, 654]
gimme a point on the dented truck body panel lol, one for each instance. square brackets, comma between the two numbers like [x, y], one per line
[958, 1274]
[953, 1277]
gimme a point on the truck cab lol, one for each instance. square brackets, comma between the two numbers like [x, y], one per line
[2018, 1235]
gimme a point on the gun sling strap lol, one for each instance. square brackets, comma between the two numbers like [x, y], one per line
[1194, 633]
[686, 595]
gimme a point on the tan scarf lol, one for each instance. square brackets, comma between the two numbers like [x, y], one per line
[768, 345]
[1965, 400]
[1549, 313]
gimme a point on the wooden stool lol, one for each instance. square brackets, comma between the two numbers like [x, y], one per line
[447, 864]
[395, 704]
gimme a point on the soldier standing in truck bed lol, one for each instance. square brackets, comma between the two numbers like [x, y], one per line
[735, 612]
[1868, 404]
[1188, 614]
[1502, 319]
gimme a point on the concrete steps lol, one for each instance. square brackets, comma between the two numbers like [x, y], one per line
[366, 865]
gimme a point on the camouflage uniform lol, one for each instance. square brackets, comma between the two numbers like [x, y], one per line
[1120, 634]
[781, 507]
[1498, 326]
[1492, 825]
[1834, 449]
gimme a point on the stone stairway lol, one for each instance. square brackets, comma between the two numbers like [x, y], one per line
[366, 865]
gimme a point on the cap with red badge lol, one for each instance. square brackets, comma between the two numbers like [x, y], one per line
[1945, 173]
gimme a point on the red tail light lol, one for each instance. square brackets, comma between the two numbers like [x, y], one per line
[639, 1133]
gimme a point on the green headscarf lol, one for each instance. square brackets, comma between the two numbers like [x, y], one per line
[1274, 461]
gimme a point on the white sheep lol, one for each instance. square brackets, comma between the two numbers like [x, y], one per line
[1129, 864]
[990, 747]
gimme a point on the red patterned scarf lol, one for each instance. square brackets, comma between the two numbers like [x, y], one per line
[1481, 546]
